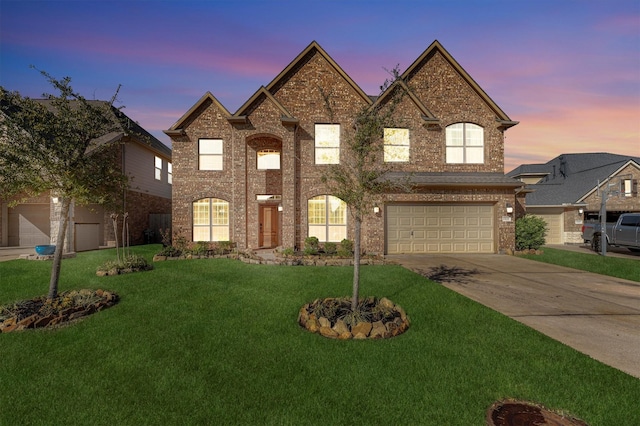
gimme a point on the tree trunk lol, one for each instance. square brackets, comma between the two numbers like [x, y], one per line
[57, 256]
[356, 265]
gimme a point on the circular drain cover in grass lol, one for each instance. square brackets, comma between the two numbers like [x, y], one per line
[522, 413]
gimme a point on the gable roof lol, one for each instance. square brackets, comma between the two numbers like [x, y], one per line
[572, 177]
[285, 116]
[501, 116]
[177, 128]
[314, 47]
[132, 128]
[399, 84]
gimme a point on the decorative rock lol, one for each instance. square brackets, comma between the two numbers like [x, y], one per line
[44, 321]
[386, 303]
[28, 321]
[340, 327]
[378, 331]
[328, 332]
[362, 328]
[345, 336]
[324, 322]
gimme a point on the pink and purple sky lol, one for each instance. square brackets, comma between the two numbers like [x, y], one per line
[567, 70]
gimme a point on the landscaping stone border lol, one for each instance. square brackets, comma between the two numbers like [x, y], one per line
[362, 330]
[107, 299]
[513, 412]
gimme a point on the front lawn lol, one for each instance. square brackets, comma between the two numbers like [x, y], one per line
[628, 269]
[216, 342]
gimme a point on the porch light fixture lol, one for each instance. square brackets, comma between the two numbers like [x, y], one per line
[580, 210]
[509, 208]
[376, 209]
[279, 207]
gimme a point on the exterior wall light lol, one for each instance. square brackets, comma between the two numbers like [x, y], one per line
[509, 208]
[580, 210]
[279, 207]
[376, 209]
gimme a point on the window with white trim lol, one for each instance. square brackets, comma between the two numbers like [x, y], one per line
[210, 220]
[465, 144]
[327, 143]
[629, 187]
[327, 218]
[268, 159]
[169, 173]
[210, 154]
[158, 168]
[396, 145]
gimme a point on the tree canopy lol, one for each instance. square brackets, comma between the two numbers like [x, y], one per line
[63, 145]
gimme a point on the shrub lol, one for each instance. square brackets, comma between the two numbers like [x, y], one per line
[330, 248]
[530, 232]
[224, 247]
[311, 245]
[131, 262]
[199, 248]
[170, 251]
[288, 252]
[346, 248]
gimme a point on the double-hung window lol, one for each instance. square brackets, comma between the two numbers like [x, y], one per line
[327, 218]
[327, 143]
[210, 154]
[158, 168]
[396, 145]
[465, 144]
[169, 174]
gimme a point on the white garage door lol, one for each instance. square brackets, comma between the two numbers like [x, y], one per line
[553, 217]
[29, 225]
[440, 229]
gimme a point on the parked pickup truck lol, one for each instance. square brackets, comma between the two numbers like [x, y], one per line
[623, 233]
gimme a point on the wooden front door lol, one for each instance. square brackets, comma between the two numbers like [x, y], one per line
[268, 235]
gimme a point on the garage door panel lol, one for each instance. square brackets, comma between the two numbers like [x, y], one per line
[29, 225]
[440, 229]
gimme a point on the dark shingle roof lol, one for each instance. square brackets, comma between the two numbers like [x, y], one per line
[456, 179]
[571, 176]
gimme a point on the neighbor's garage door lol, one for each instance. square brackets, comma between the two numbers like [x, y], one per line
[440, 229]
[553, 218]
[29, 225]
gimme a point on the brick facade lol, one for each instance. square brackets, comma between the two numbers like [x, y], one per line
[313, 89]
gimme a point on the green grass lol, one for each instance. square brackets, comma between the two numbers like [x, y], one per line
[628, 269]
[216, 342]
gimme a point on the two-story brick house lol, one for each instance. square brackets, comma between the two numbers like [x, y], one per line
[254, 177]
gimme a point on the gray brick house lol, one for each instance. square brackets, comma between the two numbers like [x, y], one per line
[253, 177]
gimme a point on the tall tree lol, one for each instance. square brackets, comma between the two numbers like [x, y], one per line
[62, 145]
[360, 178]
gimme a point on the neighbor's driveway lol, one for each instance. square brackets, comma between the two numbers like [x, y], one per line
[595, 314]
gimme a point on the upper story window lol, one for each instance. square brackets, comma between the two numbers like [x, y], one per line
[465, 144]
[210, 154]
[169, 173]
[268, 159]
[629, 187]
[158, 164]
[396, 145]
[327, 143]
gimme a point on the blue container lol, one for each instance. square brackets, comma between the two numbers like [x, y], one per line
[45, 250]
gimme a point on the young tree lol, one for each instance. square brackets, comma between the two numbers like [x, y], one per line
[63, 145]
[359, 180]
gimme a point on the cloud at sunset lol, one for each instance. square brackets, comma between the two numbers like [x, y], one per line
[568, 72]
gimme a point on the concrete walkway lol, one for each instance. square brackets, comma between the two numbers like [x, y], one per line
[594, 314]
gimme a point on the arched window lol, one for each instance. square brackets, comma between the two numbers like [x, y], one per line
[465, 144]
[268, 159]
[210, 220]
[327, 218]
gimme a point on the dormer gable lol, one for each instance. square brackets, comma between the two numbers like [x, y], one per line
[504, 122]
[178, 127]
[262, 95]
[426, 115]
[312, 49]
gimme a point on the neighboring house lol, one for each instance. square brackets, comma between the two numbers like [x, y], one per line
[147, 163]
[254, 176]
[568, 190]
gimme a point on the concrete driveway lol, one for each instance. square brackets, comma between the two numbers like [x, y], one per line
[594, 314]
